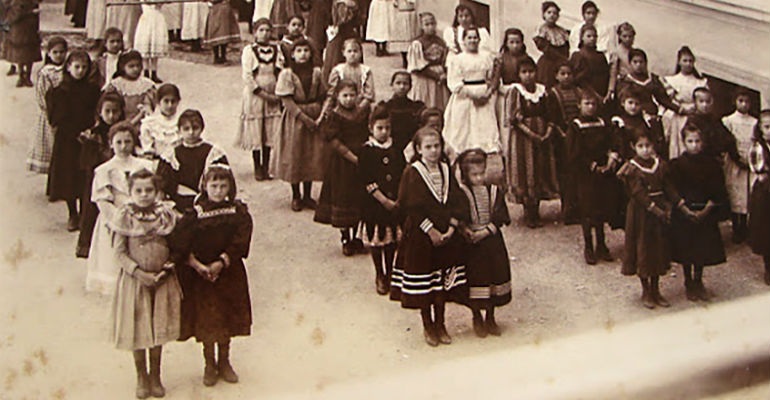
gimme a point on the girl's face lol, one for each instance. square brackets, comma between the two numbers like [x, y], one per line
[429, 25]
[472, 41]
[551, 15]
[589, 38]
[465, 18]
[352, 54]
[113, 44]
[430, 149]
[588, 107]
[381, 130]
[168, 105]
[644, 149]
[514, 44]
[435, 122]
[217, 189]
[57, 54]
[590, 16]
[703, 102]
[110, 112]
[401, 85]
[627, 38]
[476, 174]
[301, 54]
[638, 65]
[764, 126]
[143, 192]
[133, 69]
[687, 64]
[693, 143]
[631, 106]
[262, 33]
[347, 98]
[742, 104]
[191, 132]
[527, 75]
[295, 27]
[563, 76]
[77, 68]
[122, 144]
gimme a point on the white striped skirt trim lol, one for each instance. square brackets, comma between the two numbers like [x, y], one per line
[486, 292]
[435, 281]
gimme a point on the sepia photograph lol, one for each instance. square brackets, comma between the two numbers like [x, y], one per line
[385, 199]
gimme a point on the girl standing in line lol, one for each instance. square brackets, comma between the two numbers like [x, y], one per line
[22, 40]
[426, 60]
[759, 204]
[135, 88]
[50, 76]
[404, 112]
[300, 150]
[221, 29]
[737, 173]
[354, 70]
[260, 107]
[681, 88]
[159, 132]
[107, 61]
[553, 41]
[454, 35]
[151, 39]
[430, 269]
[589, 65]
[146, 307]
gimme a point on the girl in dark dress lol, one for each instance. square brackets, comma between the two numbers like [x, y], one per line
[759, 203]
[95, 150]
[590, 156]
[212, 241]
[380, 166]
[345, 22]
[630, 118]
[430, 268]
[592, 72]
[647, 243]
[71, 108]
[553, 41]
[489, 270]
[404, 112]
[649, 86]
[696, 240]
[22, 40]
[345, 130]
[181, 169]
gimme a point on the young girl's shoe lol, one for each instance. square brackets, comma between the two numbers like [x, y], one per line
[210, 375]
[348, 249]
[227, 372]
[309, 203]
[442, 334]
[647, 299]
[690, 291]
[700, 291]
[381, 285]
[658, 298]
[478, 327]
[73, 223]
[430, 336]
[12, 70]
[603, 253]
[154, 77]
[492, 327]
[142, 386]
[589, 256]
[156, 387]
[296, 205]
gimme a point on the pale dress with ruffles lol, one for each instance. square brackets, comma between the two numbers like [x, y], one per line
[144, 317]
[151, 38]
[159, 134]
[109, 191]
[679, 87]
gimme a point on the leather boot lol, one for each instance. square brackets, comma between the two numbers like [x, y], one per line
[647, 299]
[142, 379]
[225, 369]
[656, 296]
[210, 373]
[156, 386]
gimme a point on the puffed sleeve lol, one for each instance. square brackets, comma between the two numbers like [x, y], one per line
[284, 86]
[247, 68]
[241, 239]
[449, 39]
[334, 78]
[367, 91]
[454, 78]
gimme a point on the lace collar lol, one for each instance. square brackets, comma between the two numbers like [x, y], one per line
[533, 97]
[372, 142]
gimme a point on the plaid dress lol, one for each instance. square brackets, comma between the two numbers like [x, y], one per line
[39, 157]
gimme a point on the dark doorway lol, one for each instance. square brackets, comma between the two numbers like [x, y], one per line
[724, 91]
[480, 12]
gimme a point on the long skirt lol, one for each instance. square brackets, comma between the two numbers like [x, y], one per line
[102, 272]
[151, 38]
[260, 121]
[429, 91]
[647, 251]
[96, 16]
[381, 14]
[489, 272]
[39, 158]
[194, 17]
[124, 18]
[299, 154]
[221, 26]
[532, 167]
[759, 215]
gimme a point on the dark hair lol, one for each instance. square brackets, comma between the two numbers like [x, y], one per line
[741, 91]
[588, 95]
[690, 127]
[190, 115]
[759, 137]
[418, 138]
[299, 17]
[77, 55]
[379, 112]
[112, 31]
[472, 28]
[462, 7]
[144, 173]
[468, 159]
[625, 26]
[167, 89]
[344, 84]
[636, 52]
[548, 4]
[588, 5]
[701, 89]
[428, 113]
[111, 97]
[527, 61]
[638, 133]
[400, 72]
[630, 92]
[262, 21]
[583, 30]
[301, 42]
[683, 51]
[513, 31]
[562, 65]
[54, 42]
[124, 126]
[216, 172]
[125, 58]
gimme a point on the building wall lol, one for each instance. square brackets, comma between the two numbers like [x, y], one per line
[731, 39]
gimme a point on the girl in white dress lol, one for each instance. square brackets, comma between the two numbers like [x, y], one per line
[151, 39]
[470, 117]
[737, 174]
[194, 16]
[680, 88]
[607, 39]
[378, 24]
[453, 35]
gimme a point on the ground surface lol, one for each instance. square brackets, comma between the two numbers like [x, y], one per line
[317, 319]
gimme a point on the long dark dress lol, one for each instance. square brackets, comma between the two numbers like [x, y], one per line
[404, 119]
[22, 41]
[553, 42]
[647, 251]
[71, 107]
[319, 18]
[698, 179]
[222, 309]
[591, 70]
[759, 202]
[488, 266]
[562, 110]
[599, 195]
[380, 167]
[93, 152]
[340, 200]
[625, 127]
[651, 91]
[717, 139]
[181, 171]
[422, 272]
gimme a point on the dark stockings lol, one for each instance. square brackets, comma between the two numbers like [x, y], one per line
[261, 160]
[740, 227]
[72, 208]
[593, 254]
[767, 269]
[220, 54]
[148, 384]
[307, 189]
[383, 266]
[693, 282]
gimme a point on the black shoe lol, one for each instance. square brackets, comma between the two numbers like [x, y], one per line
[603, 253]
[690, 291]
[492, 327]
[227, 373]
[382, 285]
[11, 71]
[430, 336]
[442, 334]
[73, 223]
[479, 328]
[296, 205]
[347, 248]
[143, 386]
[358, 245]
[82, 251]
[156, 387]
[210, 375]
[309, 203]
[154, 77]
[259, 174]
[590, 257]
[700, 291]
